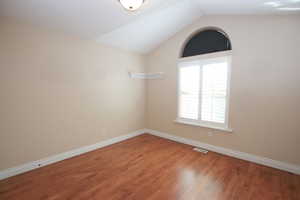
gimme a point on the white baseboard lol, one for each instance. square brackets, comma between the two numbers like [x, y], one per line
[62, 156]
[237, 154]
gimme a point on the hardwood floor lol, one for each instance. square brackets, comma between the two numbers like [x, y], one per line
[151, 168]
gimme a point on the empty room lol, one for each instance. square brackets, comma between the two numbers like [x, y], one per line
[150, 100]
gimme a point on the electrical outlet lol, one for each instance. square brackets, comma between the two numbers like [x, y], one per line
[210, 133]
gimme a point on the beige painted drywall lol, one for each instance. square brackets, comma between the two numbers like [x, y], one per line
[265, 86]
[59, 92]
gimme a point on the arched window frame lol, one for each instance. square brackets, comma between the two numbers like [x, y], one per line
[203, 30]
[223, 55]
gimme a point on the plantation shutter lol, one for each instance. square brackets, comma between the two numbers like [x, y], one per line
[189, 92]
[214, 92]
[203, 87]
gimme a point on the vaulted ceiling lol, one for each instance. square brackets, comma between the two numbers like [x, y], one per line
[105, 21]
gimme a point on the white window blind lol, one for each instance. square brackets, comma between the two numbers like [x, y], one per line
[203, 91]
[189, 91]
[214, 87]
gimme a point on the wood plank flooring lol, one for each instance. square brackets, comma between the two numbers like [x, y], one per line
[151, 168]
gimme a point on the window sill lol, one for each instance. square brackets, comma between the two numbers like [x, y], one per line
[180, 121]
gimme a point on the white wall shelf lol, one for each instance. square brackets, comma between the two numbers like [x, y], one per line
[157, 75]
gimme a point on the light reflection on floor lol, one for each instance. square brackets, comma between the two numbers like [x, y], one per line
[193, 182]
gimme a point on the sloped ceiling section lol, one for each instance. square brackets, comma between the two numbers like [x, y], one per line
[105, 21]
[85, 18]
[146, 33]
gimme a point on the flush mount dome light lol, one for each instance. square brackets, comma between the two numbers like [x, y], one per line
[132, 5]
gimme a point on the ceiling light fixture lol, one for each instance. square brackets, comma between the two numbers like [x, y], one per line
[273, 4]
[131, 5]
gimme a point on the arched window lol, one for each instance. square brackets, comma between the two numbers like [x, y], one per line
[206, 41]
[204, 80]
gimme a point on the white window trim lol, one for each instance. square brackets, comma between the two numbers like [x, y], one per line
[196, 123]
[212, 125]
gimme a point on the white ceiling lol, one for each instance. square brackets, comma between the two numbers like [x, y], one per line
[107, 22]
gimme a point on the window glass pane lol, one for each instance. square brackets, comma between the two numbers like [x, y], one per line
[206, 41]
[189, 92]
[214, 89]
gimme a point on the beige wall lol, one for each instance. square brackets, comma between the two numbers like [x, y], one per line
[60, 93]
[265, 86]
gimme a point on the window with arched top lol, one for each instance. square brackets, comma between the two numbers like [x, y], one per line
[204, 80]
[206, 41]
